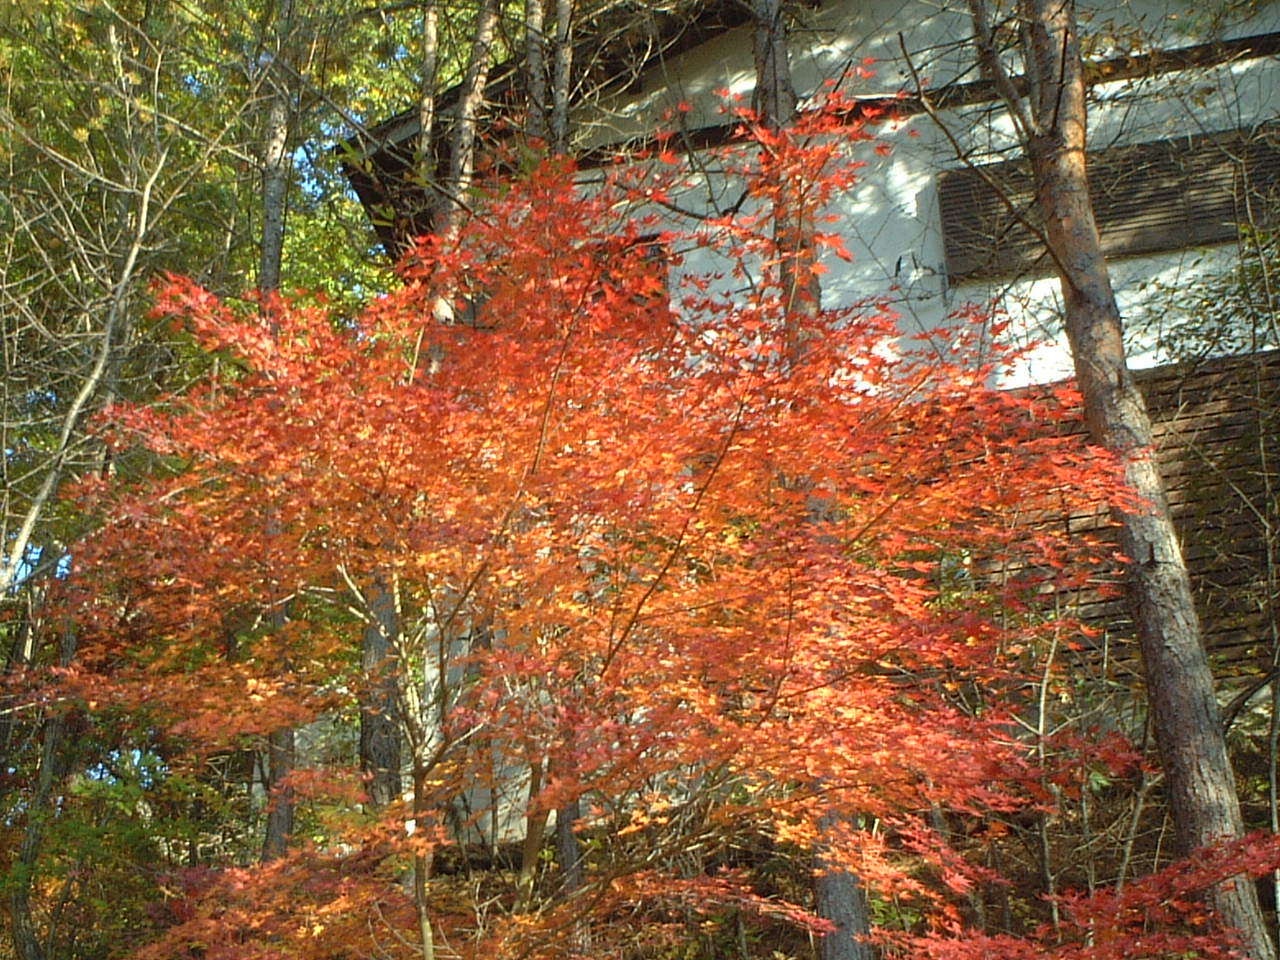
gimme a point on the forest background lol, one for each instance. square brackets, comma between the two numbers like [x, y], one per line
[213, 742]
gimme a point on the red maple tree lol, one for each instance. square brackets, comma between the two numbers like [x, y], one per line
[674, 544]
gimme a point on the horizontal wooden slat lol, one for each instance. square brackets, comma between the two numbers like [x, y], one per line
[1147, 198]
[1217, 427]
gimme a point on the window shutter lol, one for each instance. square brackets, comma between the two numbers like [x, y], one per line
[1149, 197]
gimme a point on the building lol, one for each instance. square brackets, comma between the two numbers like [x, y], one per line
[1185, 135]
[1186, 147]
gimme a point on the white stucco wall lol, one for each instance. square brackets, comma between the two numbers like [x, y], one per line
[891, 220]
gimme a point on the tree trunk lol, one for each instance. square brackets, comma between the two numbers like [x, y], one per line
[561, 79]
[281, 759]
[427, 91]
[535, 41]
[1201, 785]
[281, 744]
[275, 183]
[838, 896]
[54, 764]
[462, 148]
[26, 939]
[556, 117]
[568, 847]
[534, 833]
[774, 99]
[379, 723]
[275, 154]
[775, 104]
[423, 861]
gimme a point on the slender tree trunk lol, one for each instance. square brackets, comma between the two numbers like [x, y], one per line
[556, 125]
[379, 723]
[416, 717]
[569, 850]
[54, 765]
[423, 862]
[568, 846]
[535, 39]
[281, 743]
[465, 127]
[427, 90]
[282, 747]
[282, 753]
[1053, 122]
[838, 896]
[774, 99]
[775, 104]
[275, 153]
[26, 938]
[275, 183]
[282, 756]
[561, 79]
[534, 832]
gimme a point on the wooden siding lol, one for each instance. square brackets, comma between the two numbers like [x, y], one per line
[1217, 426]
[1148, 198]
